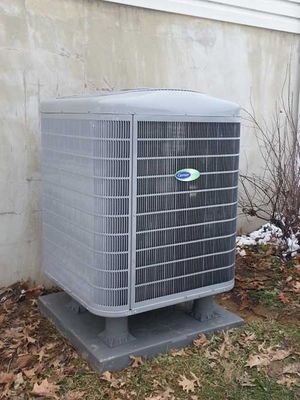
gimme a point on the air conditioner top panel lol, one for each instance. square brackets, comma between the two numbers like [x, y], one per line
[144, 102]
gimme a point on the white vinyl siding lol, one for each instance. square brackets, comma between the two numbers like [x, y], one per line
[280, 15]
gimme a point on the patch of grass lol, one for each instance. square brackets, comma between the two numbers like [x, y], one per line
[263, 247]
[276, 263]
[264, 389]
[219, 373]
[290, 264]
[266, 297]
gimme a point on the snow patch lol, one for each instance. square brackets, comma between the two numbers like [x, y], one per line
[293, 245]
[268, 233]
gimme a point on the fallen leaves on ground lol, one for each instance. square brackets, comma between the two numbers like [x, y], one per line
[296, 287]
[74, 395]
[265, 278]
[6, 377]
[37, 362]
[136, 361]
[25, 360]
[257, 360]
[283, 298]
[46, 389]
[179, 353]
[200, 341]
[292, 369]
[265, 358]
[245, 380]
[287, 381]
[112, 380]
[27, 351]
[18, 381]
[188, 385]
[162, 395]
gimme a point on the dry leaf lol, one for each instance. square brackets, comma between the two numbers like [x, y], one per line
[34, 290]
[164, 395]
[107, 376]
[136, 361]
[6, 377]
[212, 355]
[55, 363]
[41, 354]
[223, 351]
[275, 369]
[256, 360]
[25, 360]
[279, 355]
[18, 380]
[30, 339]
[249, 337]
[175, 353]
[283, 298]
[226, 346]
[296, 287]
[29, 373]
[230, 370]
[114, 382]
[286, 381]
[196, 379]
[245, 380]
[292, 369]
[261, 347]
[74, 395]
[268, 355]
[187, 384]
[245, 303]
[45, 389]
[200, 341]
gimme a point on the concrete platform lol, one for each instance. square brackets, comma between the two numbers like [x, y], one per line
[156, 331]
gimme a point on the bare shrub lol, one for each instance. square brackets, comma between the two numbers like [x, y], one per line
[274, 194]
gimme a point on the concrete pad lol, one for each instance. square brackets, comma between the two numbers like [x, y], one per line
[155, 331]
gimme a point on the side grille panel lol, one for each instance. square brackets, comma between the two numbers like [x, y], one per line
[86, 175]
[185, 231]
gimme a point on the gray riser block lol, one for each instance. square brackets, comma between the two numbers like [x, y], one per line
[156, 331]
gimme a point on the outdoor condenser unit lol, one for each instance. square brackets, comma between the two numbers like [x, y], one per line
[139, 197]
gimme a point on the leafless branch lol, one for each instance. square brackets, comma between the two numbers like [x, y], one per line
[274, 194]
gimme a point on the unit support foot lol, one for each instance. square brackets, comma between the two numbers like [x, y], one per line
[76, 307]
[116, 332]
[204, 309]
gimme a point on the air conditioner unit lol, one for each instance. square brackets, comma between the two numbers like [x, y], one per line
[139, 197]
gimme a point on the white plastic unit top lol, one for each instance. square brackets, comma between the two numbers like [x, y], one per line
[145, 102]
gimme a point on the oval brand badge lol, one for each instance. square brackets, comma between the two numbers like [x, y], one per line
[187, 175]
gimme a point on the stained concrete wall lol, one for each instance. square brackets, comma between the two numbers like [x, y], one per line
[60, 47]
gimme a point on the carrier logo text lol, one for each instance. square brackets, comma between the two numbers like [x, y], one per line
[187, 175]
